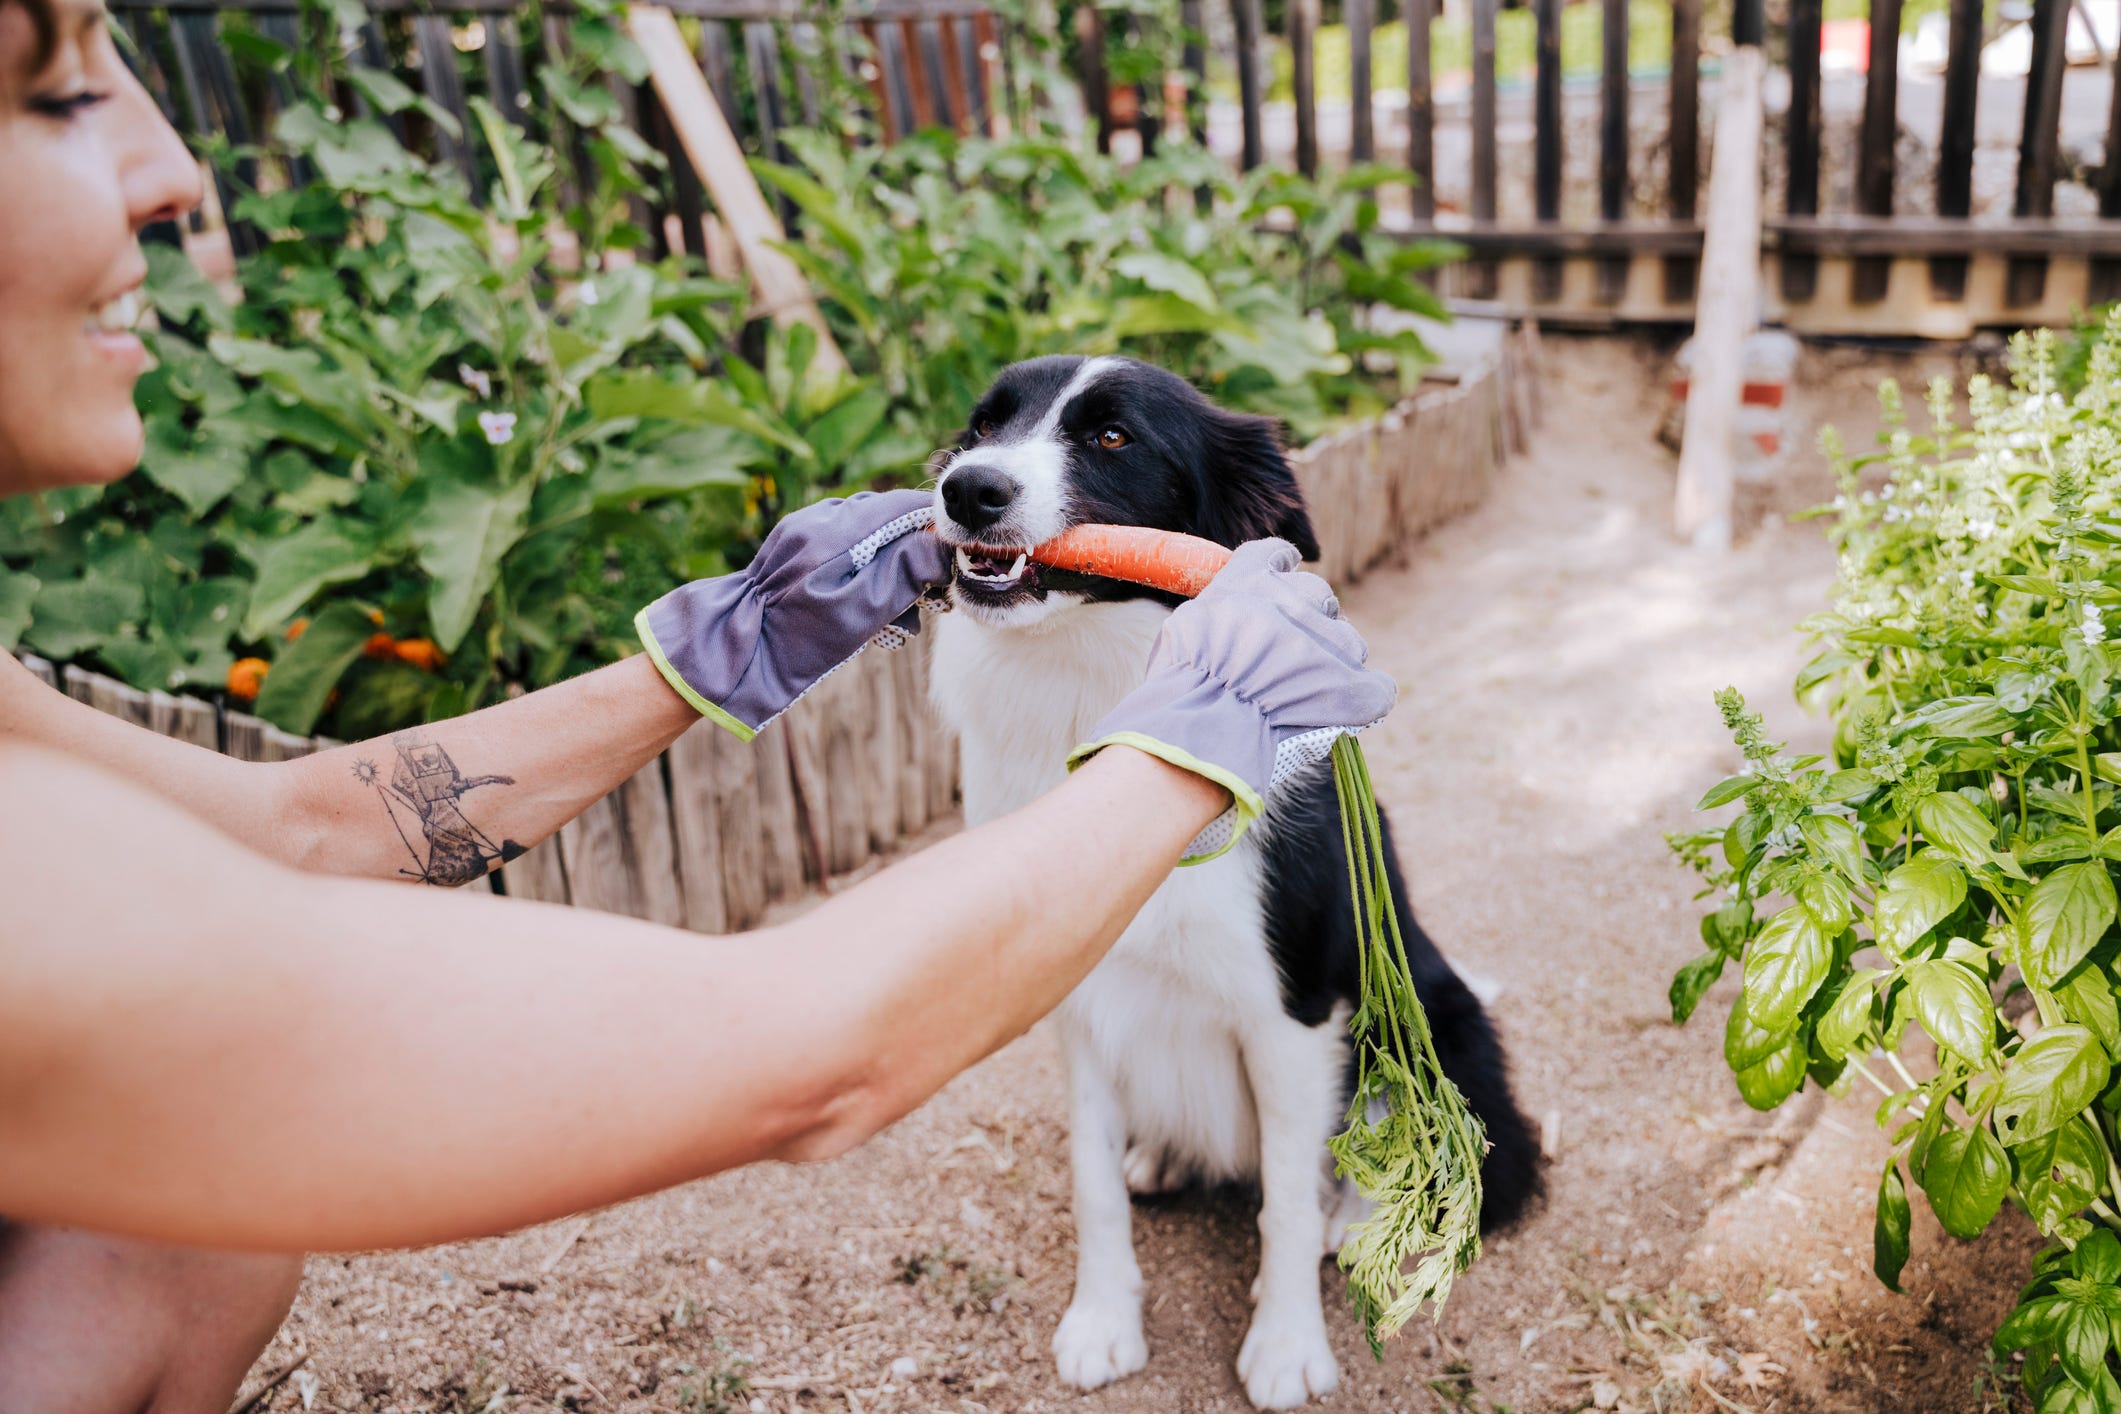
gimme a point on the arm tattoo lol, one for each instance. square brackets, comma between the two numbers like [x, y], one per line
[426, 791]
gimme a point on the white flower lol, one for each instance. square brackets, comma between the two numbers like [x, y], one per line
[587, 294]
[478, 382]
[1966, 579]
[499, 427]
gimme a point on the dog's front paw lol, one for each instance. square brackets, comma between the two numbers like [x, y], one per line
[1099, 1342]
[1285, 1361]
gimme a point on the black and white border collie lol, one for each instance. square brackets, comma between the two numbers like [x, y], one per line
[1211, 1044]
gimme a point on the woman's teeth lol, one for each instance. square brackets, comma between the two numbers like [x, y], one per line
[118, 316]
[985, 569]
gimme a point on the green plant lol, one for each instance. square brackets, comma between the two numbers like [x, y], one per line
[483, 425]
[955, 1279]
[441, 449]
[1948, 869]
[1412, 1144]
[943, 259]
[718, 1388]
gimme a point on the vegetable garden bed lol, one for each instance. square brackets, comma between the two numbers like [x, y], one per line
[713, 832]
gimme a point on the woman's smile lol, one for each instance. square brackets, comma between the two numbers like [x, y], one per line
[109, 328]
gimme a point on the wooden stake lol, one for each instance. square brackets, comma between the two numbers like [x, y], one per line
[784, 294]
[1730, 280]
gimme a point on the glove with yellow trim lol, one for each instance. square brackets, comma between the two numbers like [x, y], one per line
[828, 581]
[1248, 684]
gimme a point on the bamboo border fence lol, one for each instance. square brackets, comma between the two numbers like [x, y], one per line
[714, 831]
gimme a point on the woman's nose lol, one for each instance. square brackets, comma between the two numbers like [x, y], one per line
[161, 176]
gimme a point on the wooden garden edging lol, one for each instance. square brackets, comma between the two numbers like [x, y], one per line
[714, 831]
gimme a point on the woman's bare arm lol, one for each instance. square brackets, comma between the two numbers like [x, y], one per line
[199, 1045]
[493, 783]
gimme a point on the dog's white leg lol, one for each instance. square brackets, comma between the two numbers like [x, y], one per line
[1100, 1338]
[1295, 1073]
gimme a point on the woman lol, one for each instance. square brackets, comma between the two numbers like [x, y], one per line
[220, 1028]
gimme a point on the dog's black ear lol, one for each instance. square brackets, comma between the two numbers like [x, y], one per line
[1246, 488]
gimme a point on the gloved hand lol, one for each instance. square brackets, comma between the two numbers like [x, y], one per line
[743, 647]
[1248, 684]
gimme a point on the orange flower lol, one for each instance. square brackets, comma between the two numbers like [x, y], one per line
[245, 677]
[379, 645]
[421, 653]
[296, 629]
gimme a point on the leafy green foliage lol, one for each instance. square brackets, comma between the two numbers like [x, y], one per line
[396, 428]
[494, 425]
[1969, 808]
[942, 259]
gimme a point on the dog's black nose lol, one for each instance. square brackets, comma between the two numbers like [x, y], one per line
[976, 496]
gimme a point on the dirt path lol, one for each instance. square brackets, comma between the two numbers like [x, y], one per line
[1557, 653]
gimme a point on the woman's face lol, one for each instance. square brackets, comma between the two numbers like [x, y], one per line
[85, 162]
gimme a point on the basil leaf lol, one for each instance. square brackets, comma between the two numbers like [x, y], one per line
[1692, 980]
[1849, 1016]
[2087, 996]
[2059, 1173]
[1774, 1079]
[1784, 967]
[1954, 1007]
[1966, 1176]
[2063, 919]
[1954, 824]
[2054, 1077]
[1833, 839]
[1915, 898]
[1889, 1228]
[1746, 1042]
[1726, 790]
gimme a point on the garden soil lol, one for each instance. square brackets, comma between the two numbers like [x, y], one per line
[1556, 652]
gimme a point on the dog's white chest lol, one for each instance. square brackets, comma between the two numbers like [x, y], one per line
[1164, 1011]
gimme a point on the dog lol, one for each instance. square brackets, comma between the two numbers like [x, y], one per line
[1211, 1045]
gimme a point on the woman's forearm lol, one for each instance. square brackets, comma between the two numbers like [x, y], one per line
[446, 803]
[442, 804]
[955, 952]
[207, 1047]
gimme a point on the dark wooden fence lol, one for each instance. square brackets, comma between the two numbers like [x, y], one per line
[921, 62]
[1868, 268]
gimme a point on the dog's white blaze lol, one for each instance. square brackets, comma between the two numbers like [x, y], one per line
[1037, 462]
[1178, 1040]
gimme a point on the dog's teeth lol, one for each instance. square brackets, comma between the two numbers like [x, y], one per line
[1016, 570]
[964, 560]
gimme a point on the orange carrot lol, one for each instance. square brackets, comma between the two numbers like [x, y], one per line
[1161, 559]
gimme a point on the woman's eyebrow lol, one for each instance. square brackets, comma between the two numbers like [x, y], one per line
[88, 15]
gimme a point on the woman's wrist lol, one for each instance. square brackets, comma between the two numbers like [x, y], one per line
[1192, 800]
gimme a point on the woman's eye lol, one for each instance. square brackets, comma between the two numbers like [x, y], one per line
[1112, 439]
[65, 105]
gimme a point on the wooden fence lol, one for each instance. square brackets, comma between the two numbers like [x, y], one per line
[714, 831]
[923, 62]
[1869, 268]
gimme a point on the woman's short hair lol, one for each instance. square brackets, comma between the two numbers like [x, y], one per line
[46, 26]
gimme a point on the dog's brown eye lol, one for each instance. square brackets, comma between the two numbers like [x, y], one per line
[1112, 439]
[985, 429]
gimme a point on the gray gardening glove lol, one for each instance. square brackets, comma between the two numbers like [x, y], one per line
[829, 579]
[1248, 684]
